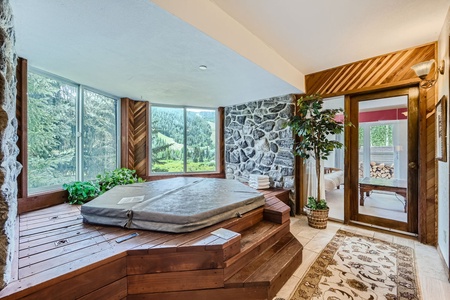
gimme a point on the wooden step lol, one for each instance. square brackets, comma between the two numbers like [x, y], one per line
[254, 241]
[260, 279]
[270, 269]
[276, 211]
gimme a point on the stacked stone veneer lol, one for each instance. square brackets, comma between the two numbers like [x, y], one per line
[9, 167]
[257, 142]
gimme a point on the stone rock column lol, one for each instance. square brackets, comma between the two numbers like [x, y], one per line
[257, 142]
[9, 166]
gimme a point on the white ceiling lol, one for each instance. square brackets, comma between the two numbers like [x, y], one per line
[321, 34]
[137, 49]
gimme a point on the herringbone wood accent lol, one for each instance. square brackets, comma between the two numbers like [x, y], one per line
[135, 136]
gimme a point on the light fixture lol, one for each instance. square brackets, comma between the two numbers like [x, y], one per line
[203, 67]
[423, 69]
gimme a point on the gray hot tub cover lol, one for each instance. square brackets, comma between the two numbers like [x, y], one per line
[181, 204]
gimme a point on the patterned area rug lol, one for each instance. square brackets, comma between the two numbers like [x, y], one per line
[353, 266]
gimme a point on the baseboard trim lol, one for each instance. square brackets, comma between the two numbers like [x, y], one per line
[446, 267]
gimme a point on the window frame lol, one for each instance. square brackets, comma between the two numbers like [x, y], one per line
[79, 106]
[185, 172]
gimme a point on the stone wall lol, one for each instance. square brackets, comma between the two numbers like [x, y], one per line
[256, 141]
[9, 167]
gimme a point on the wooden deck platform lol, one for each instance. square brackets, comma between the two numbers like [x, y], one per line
[60, 257]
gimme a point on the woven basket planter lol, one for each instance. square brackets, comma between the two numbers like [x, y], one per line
[317, 218]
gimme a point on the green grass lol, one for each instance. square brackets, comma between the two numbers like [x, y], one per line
[176, 166]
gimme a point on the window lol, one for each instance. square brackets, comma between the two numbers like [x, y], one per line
[72, 132]
[99, 133]
[183, 140]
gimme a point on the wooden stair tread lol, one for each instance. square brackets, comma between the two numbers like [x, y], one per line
[252, 237]
[270, 270]
[268, 266]
[240, 277]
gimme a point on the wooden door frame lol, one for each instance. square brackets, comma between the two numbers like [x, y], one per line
[351, 153]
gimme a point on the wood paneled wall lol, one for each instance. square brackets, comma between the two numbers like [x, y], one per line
[393, 70]
[135, 136]
[384, 71]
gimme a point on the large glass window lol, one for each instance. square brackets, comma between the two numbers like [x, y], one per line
[99, 133]
[183, 140]
[72, 132]
[51, 131]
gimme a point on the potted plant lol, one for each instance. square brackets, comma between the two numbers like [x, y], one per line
[314, 126]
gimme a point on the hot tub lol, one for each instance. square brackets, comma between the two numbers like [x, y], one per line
[181, 204]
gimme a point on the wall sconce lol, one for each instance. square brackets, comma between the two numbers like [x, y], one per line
[423, 69]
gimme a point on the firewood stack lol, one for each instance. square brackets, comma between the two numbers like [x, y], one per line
[381, 170]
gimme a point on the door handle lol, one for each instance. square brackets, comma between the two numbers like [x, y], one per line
[412, 165]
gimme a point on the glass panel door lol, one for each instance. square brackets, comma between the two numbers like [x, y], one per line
[382, 160]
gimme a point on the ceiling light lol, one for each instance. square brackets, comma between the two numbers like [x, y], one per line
[203, 67]
[423, 69]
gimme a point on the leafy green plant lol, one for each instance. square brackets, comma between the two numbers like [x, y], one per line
[121, 176]
[81, 191]
[313, 204]
[314, 125]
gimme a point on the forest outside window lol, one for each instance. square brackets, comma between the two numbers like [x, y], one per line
[183, 140]
[72, 132]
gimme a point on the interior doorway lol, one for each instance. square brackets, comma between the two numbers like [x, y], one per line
[382, 154]
[333, 178]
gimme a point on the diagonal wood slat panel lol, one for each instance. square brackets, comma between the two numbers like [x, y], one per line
[377, 71]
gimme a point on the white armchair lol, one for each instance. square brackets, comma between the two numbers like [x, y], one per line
[333, 178]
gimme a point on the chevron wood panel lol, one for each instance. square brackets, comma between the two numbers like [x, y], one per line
[135, 136]
[380, 71]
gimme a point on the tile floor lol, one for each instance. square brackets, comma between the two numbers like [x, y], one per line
[379, 204]
[432, 276]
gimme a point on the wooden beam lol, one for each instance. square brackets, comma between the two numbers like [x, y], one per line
[125, 133]
[22, 130]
